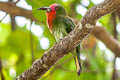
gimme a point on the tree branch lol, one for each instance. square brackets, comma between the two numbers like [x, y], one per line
[101, 34]
[69, 42]
[11, 8]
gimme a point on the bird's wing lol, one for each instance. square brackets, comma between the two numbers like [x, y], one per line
[69, 24]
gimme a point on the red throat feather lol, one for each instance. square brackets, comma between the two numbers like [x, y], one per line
[51, 16]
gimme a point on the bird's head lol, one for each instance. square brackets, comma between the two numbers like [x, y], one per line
[52, 12]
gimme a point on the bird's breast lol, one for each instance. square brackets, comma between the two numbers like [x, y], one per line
[50, 18]
[59, 31]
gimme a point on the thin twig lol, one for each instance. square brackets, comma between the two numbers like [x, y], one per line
[31, 42]
[17, 1]
[12, 18]
[114, 74]
[4, 17]
[13, 22]
[115, 33]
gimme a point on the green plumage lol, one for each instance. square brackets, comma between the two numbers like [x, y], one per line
[62, 25]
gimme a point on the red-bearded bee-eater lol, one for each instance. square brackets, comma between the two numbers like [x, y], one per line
[60, 25]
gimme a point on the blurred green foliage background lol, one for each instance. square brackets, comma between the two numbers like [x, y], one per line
[17, 46]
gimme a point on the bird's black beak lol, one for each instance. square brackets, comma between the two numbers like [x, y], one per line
[45, 8]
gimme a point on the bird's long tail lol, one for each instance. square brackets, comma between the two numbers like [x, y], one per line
[77, 61]
[78, 65]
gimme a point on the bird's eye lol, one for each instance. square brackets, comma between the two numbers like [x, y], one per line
[56, 8]
[48, 10]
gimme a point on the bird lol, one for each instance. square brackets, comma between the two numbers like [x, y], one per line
[60, 25]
